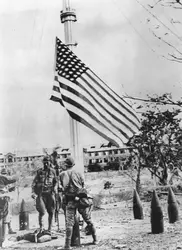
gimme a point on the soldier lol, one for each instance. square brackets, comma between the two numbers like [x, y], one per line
[5, 181]
[58, 170]
[72, 182]
[43, 190]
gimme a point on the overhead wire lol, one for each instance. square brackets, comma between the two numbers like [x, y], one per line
[138, 33]
[154, 16]
[171, 57]
[143, 39]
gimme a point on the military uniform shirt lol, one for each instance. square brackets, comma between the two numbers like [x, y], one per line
[4, 182]
[45, 179]
[71, 181]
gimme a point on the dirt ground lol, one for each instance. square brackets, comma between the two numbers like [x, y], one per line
[116, 227]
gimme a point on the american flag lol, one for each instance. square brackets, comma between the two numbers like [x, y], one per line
[89, 100]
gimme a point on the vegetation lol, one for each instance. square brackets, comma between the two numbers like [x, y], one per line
[24, 174]
[95, 167]
[157, 145]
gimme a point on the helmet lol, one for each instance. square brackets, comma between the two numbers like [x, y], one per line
[69, 162]
[46, 159]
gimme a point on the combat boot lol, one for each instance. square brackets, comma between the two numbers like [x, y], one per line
[50, 222]
[95, 241]
[10, 230]
[93, 232]
[67, 245]
[41, 224]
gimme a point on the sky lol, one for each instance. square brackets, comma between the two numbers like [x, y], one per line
[115, 39]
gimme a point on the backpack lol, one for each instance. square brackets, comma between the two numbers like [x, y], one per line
[84, 199]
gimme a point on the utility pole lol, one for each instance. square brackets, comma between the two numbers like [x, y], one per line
[68, 16]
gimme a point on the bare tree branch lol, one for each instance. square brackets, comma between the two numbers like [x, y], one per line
[152, 6]
[161, 39]
[169, 59]
[169, 4]
[175, 57]
[152, 100]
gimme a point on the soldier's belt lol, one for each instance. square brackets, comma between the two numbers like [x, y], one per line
[70, 197]
[46, 189]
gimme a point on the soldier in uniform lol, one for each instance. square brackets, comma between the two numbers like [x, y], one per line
[58, 195]
[72, 182]
[5, 189]
[44, 187]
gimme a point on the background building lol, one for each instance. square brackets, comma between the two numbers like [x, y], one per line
[93, 154]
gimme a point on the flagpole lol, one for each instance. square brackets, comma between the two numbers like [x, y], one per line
[68, 16]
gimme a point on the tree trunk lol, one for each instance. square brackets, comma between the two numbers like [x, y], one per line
[164, 178]
[138, 184]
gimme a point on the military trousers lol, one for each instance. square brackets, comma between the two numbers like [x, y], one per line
[46, 202]
[70, 212]
[4, 209]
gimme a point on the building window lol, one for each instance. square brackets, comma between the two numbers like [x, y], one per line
[1, 160]
[25, 158]
[10, 159]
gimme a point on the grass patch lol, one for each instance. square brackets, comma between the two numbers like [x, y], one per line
[103, 198]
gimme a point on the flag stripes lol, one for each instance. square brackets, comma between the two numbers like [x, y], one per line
[75, 98]
[90, 101]
[85, 97]
[93, 127]
[108, 103]
[114, 98]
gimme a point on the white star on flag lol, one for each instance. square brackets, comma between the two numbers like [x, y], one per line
[90, 101]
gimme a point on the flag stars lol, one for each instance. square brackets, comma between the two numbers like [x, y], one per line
[68, 65]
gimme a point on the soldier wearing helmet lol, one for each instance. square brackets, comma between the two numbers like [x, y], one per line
[73, 184]
[5, 189]
[43, 190]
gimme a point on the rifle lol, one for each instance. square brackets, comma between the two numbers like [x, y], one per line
[53, 158]
[57, 197]
[56, 213]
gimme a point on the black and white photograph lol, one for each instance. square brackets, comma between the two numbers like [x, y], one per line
[91, 124]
